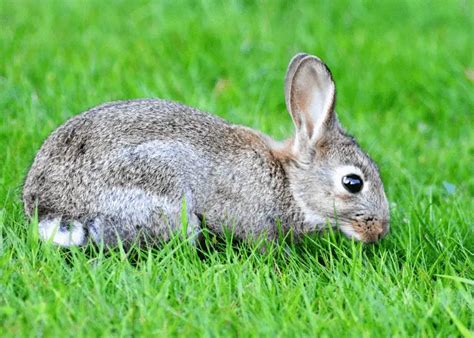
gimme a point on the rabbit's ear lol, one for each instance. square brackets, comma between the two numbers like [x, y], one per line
[310, 95]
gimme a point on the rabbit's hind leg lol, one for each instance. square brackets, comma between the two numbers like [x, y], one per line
[130, 216]
[108, 230]
[135, 216]
[160, 227]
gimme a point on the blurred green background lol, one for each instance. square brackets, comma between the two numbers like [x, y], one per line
[404, 72]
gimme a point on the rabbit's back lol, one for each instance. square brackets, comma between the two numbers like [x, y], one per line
[128, 123]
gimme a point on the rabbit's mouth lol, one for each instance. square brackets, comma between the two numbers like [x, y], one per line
[360, 227]
[368, 230]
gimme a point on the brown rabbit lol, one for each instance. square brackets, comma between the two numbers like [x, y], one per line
[122, 170]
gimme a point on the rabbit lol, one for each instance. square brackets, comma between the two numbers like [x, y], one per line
[129, 170]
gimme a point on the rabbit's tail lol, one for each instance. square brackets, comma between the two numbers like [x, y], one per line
[64, 232]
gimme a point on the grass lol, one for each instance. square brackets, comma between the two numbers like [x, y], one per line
[404, 73]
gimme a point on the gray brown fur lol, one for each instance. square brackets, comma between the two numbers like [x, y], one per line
[124, 168]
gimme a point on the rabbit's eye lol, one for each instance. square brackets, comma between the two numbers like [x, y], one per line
[353, 183]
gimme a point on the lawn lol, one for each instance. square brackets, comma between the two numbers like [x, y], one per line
[405, 77]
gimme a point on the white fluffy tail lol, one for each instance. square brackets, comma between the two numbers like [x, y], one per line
[62, 233]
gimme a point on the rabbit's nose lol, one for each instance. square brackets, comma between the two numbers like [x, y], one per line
[373, 230]
[373, 235]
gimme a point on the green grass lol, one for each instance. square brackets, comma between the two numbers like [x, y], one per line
[405, 89]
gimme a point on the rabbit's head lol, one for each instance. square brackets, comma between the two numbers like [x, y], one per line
[333, 180]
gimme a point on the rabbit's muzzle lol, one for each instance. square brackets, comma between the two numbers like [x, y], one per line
[371, 229]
